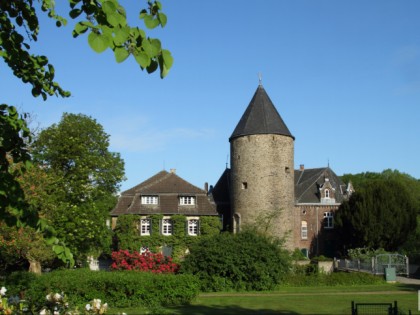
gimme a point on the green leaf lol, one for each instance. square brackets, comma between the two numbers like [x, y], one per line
[163, 19]
[152, 67]
[121, 54]
[147, 48]
[75, 13]
[168, 60]
[142, 59]
[156, 46]
[79, 28]
[150, 22]
[98, 42]
[58, 249]
[109, 7]
[121, 35]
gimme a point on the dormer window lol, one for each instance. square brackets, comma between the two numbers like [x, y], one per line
[149, 200]
[187, 200]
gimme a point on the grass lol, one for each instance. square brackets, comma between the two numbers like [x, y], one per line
[297, 300]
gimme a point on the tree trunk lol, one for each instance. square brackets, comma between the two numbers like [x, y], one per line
[35, 267]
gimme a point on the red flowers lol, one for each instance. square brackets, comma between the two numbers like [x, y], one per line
[148, 261]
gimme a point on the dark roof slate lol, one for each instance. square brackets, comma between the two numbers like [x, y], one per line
[308, 182]
[168, 186]
[260, 117]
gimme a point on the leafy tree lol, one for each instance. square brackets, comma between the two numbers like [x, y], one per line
[14, 135]
[410, 183]
[243, 261]
[106, 23]
[18, 247]
[86, 176]
[381, 214]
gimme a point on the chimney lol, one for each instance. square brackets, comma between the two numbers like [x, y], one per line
[302, 167]
[172, 170]
[206, 187]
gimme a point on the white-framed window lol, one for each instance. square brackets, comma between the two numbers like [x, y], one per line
[187, 200]
[328, 220]
[192, 227]
[327, 193]
[166, 227]
[149, 200]
[304, 230]
[145, 226]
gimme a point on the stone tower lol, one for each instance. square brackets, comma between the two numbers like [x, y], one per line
[262, 169]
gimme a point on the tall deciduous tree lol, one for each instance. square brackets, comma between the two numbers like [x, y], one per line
[75, 152]
[381, 214]
[107, 27]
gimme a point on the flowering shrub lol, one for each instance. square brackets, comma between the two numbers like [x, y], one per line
[95, 307]
[148, 261]
[10, 306]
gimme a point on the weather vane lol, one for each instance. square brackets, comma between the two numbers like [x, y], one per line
[260, 77]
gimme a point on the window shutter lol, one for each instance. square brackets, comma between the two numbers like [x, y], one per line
[198, 227]
[186, 227]
[150, 222]
[160, 226]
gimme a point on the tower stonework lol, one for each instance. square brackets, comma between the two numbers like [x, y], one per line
[262, 170]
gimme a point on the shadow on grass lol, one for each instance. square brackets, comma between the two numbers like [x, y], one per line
[225, 310]
[408, 287]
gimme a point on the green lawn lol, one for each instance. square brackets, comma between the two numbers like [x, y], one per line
[297, 300]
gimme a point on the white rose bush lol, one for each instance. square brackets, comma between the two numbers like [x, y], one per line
[55, 304]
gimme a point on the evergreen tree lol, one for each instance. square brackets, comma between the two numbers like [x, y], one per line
[380, 214]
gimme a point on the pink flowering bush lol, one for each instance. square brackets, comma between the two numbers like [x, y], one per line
[148, 261]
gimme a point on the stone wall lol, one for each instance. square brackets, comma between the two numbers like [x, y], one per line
[262, 182]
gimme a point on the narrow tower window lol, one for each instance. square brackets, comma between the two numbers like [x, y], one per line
[244, 185]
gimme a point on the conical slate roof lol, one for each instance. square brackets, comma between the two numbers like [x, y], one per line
[260, 117]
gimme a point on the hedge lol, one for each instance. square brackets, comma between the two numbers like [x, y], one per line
[119, 289]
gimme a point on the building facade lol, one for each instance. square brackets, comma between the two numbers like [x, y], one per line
[261, 186]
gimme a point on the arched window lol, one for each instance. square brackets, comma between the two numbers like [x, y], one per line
[304, 230]
[327, 193]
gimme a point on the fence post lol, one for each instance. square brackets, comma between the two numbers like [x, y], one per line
[395, 312]
[353, 309]
[407, 261]
[358, 264]
[372, 265]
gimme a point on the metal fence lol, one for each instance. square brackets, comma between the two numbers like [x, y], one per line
[374, 308]
[376, 265]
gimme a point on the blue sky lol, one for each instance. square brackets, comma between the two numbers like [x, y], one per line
[344, 76]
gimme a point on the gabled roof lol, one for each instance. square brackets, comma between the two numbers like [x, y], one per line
[168, 186]
[260, 117]
[309, 181]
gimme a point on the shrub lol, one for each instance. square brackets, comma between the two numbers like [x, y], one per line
[148, 261]
[18, 283]
[333, 279]
[119, 288]
[243, 261]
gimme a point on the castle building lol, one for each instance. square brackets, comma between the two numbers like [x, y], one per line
[261, 188]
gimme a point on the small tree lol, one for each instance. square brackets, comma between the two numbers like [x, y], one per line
[19, 247]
